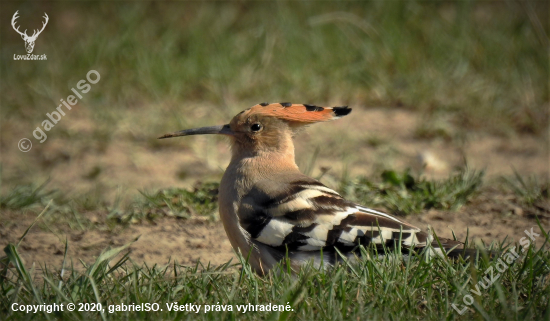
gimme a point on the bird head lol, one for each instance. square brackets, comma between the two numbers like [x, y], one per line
[268, 126]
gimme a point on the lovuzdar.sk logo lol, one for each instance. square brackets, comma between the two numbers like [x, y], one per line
[29, 40]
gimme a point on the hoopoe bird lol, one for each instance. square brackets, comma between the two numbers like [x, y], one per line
[271, 211]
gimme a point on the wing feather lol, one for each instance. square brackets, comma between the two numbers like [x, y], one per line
[308, 216]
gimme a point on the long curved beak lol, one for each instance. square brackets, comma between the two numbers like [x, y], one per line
[221, 129]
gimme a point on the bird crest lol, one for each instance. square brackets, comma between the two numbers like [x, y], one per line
[299, 113]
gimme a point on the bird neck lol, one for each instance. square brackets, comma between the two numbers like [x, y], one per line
[251, 164]
[262, 162]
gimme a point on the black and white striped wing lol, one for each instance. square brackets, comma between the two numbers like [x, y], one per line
[305, 215]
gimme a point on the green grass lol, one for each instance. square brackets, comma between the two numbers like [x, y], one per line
[374, 289]
[403, 194]
[530, 189]
[200, 201]
[377, 289]
[179, 202]
[26, 196]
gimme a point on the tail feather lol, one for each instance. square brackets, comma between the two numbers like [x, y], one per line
[456, 249]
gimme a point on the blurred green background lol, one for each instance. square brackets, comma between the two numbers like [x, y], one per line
[486, 63]
[482, 66]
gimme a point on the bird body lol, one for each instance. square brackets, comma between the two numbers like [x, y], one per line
[270, 210]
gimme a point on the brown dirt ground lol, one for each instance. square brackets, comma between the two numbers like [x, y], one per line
[369, 140]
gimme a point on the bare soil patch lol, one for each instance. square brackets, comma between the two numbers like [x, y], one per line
[162, 240]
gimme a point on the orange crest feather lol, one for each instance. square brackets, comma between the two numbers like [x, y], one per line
[300, 113]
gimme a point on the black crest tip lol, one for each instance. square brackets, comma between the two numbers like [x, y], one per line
[341, 111]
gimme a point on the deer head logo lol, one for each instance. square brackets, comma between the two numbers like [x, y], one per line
[29, 41]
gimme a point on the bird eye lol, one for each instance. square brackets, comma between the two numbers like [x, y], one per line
[256, 127]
